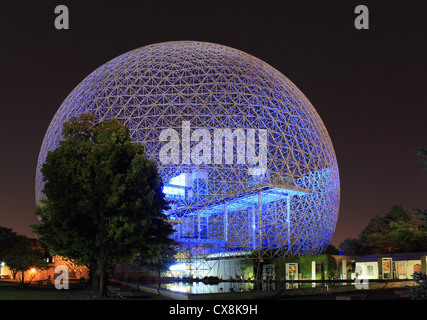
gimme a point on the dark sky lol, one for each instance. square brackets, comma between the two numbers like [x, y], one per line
[368, 86]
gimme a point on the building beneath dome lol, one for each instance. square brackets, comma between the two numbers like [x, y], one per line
[247, 163]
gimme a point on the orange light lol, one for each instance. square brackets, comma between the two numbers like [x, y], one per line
[33, 270]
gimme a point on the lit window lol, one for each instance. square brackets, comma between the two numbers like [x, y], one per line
[174, 191]
[178, 180]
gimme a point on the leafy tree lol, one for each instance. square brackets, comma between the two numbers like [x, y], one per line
[330, 249]
[419, 291]
[21, 254]
[6, 239]
[165, 257]
[422, 152]
[381, 234]
[398, 231]
[103, 198]
[422, 214]
[352, 246]
[407, 237]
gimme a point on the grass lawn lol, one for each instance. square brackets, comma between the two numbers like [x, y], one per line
[10, 290]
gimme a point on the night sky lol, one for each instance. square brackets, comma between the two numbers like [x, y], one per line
[368, 86]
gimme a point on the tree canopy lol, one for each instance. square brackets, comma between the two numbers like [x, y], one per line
[422, 214]
[103, 198]
[7, 236]
[399, 230]
[21, 254]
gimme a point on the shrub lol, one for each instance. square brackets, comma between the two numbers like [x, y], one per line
[419, 291]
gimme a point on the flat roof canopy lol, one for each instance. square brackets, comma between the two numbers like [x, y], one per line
[244, 199]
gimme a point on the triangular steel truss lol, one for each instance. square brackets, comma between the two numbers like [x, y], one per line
[233, 205]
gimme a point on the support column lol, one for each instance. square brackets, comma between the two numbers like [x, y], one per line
[313, 273]
[260, 218]
[344, 269]
[198, 224]
[288, 219]
[253, 227]
[225, 223]
[207, 227]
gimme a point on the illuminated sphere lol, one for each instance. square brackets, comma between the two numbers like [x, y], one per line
[246, 161]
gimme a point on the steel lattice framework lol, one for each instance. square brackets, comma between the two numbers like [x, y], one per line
[246, 160]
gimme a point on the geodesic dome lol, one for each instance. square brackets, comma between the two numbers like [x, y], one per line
[246, 161]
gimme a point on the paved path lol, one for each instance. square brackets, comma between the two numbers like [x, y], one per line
[114, 292]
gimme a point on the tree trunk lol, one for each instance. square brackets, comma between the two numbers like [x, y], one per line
[22, 280]
[102, 267]
[103, 284]
[94, 278]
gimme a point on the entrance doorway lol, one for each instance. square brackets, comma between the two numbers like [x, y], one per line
[291, 271]
[268, 272]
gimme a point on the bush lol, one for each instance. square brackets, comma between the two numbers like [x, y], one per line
[419, 291]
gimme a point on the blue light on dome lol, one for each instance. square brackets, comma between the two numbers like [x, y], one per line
[246, 161]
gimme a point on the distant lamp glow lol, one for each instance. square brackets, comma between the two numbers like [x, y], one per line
[33, 270]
